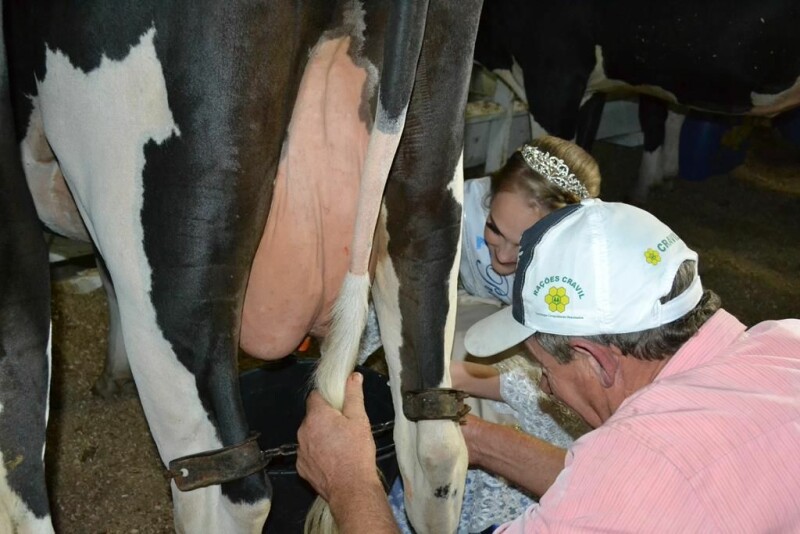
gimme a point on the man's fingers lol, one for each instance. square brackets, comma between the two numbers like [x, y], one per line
[354, 397]
[353, 407]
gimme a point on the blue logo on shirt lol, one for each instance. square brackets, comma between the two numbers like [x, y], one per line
[496, 284]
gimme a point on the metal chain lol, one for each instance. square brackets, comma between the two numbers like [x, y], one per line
[290, 449]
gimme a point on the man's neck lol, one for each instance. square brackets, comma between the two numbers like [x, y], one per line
[634, 374]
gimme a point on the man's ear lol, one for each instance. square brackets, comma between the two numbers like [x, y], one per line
[604, 359]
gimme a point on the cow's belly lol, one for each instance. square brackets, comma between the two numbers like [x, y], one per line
[54, 203]
[304, 251]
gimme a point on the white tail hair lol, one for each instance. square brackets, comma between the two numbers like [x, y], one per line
[319, 519]
[340, 348]
[339, 352]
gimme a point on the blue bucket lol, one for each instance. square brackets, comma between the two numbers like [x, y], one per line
[274, 396]
[711, 145]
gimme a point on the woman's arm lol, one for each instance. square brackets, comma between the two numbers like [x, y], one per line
[477, 379]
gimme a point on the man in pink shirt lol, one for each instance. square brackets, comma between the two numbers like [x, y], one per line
[697, 419]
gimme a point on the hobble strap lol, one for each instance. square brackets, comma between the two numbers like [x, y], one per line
[435, 403]
[223, 465]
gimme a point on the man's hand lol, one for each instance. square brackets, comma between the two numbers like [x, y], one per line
[336, 449]
[471, 429]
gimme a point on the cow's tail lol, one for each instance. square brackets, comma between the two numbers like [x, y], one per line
[401, 53]
[340, 348]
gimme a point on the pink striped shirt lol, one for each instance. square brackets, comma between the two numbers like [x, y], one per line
[712, 445]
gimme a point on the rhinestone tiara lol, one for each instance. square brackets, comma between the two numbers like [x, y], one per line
[554, 170]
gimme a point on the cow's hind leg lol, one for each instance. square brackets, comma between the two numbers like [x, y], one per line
[179, 253]
[415, 281]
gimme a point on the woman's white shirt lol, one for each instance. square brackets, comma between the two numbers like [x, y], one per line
[475, 269]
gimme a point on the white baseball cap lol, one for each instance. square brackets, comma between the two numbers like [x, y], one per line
[588, 269]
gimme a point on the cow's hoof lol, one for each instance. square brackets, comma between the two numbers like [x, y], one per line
[108, 388]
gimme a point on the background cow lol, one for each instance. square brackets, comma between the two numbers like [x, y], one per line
[168, 124]
[735, 58]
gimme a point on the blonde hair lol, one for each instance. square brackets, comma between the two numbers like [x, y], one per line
[516, 176]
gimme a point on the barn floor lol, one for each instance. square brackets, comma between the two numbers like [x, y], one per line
[104, 473]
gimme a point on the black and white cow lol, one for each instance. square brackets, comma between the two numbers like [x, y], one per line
[726, 57]
[228, 161]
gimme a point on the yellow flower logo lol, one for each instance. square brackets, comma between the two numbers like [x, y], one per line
[557, 299]
[652, 256]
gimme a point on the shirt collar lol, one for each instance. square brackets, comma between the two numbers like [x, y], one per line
[720, 331]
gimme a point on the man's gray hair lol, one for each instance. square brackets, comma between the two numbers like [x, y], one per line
[653, 344]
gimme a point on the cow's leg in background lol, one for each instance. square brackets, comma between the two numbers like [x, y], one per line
[652, 118]
[672, 142]
[589, 116]
[24, 338]
[117, 377]
[661, 127]
[415, 283]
